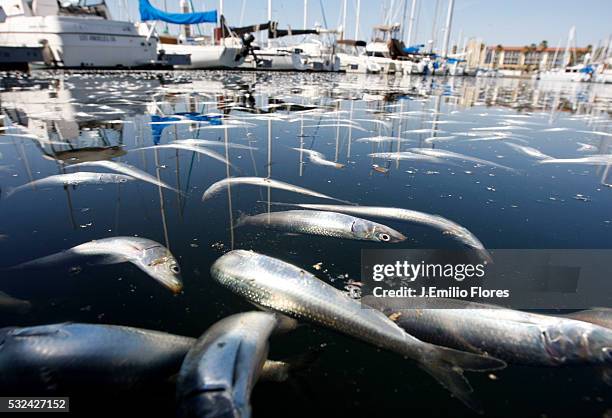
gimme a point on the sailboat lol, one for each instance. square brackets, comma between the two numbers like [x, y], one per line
[218, 53]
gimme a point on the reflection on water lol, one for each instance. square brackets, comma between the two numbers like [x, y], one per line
[52, 121]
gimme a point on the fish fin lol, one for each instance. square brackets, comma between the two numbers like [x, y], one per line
[242, 218]
[9, 192]
[456, 383]
[281, 371]
[106, 259]
[447, 365]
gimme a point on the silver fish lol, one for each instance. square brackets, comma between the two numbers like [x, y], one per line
[337, 125]
[603, 159]
[220, 370]
[529, 151]
[328, 224]
[149, 256]
[281, 287]
[72, 179]
[318, 158]
[432, 139]
[209, 143]
[209, 153]
[262, 182]
[11, 304]
[406, 215]
[379, 139]
[597, 316]
[126, 169]
[515, 336]
[406, 156]
[70, 357]
[438, 153]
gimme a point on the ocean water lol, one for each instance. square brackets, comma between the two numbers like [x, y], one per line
[76, 117]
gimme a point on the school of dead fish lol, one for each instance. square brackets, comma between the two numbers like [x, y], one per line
[216, 373]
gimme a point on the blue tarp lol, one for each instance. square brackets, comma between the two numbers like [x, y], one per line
[148, 12]
[157, 129]
[414, 49]
[587, 70]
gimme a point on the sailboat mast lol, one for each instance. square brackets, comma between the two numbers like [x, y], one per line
[186, 28]
[357, 19]
[447, 29]
[403, 25]
[343, 18]
[305, 14]
[433, 26]
[269, 20]
[570, 39]
[411, 24]
[221, 7]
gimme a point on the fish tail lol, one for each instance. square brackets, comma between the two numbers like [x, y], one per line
[9, 192]
[242, 219]
[44, 262]
[447, 365]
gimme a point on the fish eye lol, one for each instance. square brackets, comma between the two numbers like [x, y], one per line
[174, 268]
[122, 181]
[384, 237]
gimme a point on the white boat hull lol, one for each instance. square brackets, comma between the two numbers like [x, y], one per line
[275, 61]
[205, 56]
[81, 42]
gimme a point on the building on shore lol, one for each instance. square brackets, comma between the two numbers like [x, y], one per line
[520, 60]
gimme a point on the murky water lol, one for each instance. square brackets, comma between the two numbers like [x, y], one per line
[87, 117]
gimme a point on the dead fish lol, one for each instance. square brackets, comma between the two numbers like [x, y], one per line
[10, 304]
[318, 158]
[406, 215]
[209, 153]
[149, 256]
[220, 370]
[328, 224]
[72, 179]
[406, 156]
[262, 182]
[529, 151]
[597, 316]
[70, 357]
[515, 336]
[281, 287]
[438, 153]
[126, 169]
[208, 143]
[603, 159]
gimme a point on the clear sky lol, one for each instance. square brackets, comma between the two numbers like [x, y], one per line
[508, 22]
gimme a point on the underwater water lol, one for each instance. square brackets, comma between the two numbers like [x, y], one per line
[51, 120]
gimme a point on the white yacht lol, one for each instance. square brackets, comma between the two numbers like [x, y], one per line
[316, 56]
[281, 58]
[204, 52]
[75, 34]
[353, 58]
